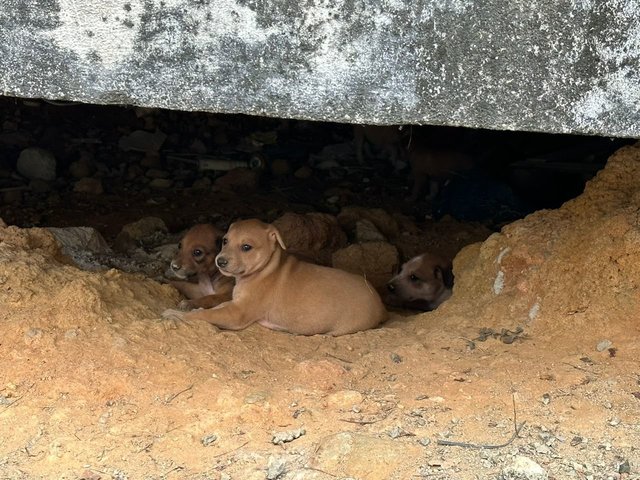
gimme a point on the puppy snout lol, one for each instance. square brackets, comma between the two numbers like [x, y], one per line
[175, 267]
[222, 262]
[391, 287]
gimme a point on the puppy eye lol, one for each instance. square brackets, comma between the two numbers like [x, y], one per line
[197, 252]
[413, 278]
[246, 247]
[224, 241]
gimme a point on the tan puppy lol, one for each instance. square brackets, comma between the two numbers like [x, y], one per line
[196, 257]
[280, 292]
[424, 282]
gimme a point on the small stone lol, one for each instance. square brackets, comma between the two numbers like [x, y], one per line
[303, 172]
[397, 432]
[575, 441]
[161, 183]
[286, 437]
[615, 421]
[523, 468]
[624, 467]
[603, 345]
[546, 399]
[366, 231]
[89, 185]
[238, 180]
[395, 358]
[208, 440]
[37, 164]
[257, 397]
[276, 467]
[156, 173]
[143, 141]
[280, 167]
[424, 441]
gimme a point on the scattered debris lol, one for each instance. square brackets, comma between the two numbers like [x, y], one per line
[286, 437]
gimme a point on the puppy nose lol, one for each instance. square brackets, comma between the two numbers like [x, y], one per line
[222, 262]
[391, 287]
[175, 267]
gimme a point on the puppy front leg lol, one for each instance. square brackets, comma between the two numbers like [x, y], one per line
[188, 289]
[208, 301]
[228, 316]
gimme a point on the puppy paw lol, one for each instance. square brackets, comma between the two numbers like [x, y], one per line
[174, 315]
[185, 305]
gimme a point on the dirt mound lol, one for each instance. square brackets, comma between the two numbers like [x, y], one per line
[94, 385]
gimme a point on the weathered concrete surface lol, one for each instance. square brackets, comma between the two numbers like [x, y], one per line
[510, 64]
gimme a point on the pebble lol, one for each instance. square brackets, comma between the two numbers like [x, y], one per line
[523, 468]
[161, 183]
[424, 441]
[286, 437]
[366, 231]
[92, 186]
[276, 467]
[603, 345]
[615, 421]
[37, 164]
[208, 440]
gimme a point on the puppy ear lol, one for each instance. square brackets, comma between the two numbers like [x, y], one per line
[447, 276]
[276, 234]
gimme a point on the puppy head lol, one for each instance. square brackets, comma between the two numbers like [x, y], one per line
[197, 252]
[421, 282]
[247, 247]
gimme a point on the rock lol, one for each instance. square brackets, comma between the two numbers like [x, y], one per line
[156, 173]
[603, 345]
[366, 231]
[161, 183]
[377, 261]
[208, 440]
[135, 233]
[81, 168]
[2, 223]
[286, 437]
[523, 468]
[276, 467]
[37, 164]
[362, 456]
[203, 183]
[311, 234]
[142, 141]
[73, 239]
[303, 172]
[280, 167]
[90, 185]
[238, 180]
[385, 223]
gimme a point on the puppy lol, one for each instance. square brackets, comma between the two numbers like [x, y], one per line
[281, 292]
[196, 259]
[424, 282]
[385, 139]
[435, 165]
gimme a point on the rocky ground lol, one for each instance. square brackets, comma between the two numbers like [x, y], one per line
[534, 358]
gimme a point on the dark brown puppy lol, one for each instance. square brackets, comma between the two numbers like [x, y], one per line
[424, 282]
[385, 139]
[435, 165]
[196, 258]
[280, 292]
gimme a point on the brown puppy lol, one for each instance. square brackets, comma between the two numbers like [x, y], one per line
[196, 257]
[435, 165]
[280, 292]
[424, 282]
[383, 138]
